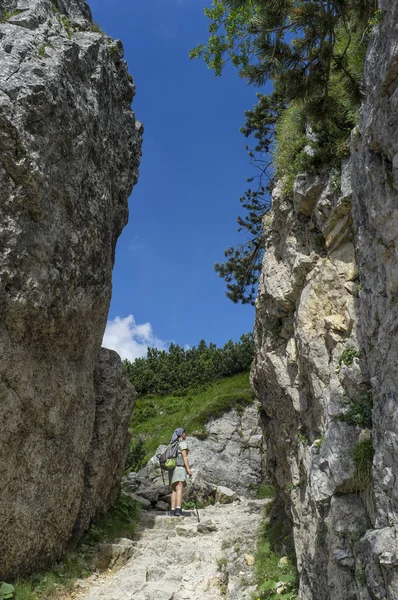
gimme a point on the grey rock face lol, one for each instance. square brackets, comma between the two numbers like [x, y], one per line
[375, 188]
[376, 221]
[306, 319]
[342, 300]
[115, 398]
[69, 155]
[232, 455]
[111, 556]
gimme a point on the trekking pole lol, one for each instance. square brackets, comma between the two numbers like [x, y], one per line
[195, 500]
[161, 471]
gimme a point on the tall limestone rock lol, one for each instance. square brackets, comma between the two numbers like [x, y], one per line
[375, 186]
[306, 323]
[69, 154]
[327, 345]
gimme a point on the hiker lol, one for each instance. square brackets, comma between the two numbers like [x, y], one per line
[178, 476]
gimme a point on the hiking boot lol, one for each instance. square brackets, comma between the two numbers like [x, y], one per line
[179, 513]
[172, 512]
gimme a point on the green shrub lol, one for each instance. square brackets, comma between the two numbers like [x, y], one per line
[360, 575]
[66, 23]
[358, 413]
[289, 487]
[348, 355]
[332, 129]
[363, 458]
[6, 590]
[144, 412]
[189, 505]
[136, 457]
[335, 180]
[114, 52]
[303, 439]
[290, 141]
[265, 490]
[318, 443]
[41, 52]
[119, 521]
[221, 563]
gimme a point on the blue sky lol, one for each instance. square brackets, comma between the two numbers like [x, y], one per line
[194, 167]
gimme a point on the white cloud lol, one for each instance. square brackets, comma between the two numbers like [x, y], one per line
[129, 339]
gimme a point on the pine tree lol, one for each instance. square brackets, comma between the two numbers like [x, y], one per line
[312, 51]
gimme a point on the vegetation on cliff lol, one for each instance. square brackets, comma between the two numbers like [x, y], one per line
[313, 54]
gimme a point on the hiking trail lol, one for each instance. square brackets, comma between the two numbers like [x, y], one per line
[181, 559]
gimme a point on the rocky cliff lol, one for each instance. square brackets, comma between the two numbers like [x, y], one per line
[327, 352]
[232, 453]
[69, 153]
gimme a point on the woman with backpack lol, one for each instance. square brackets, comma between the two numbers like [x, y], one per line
[178, 476]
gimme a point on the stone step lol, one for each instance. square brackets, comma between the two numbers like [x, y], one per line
[165, 522]
[175, 558]
[152, 534]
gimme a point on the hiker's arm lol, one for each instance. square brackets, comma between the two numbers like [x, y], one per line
[186, 463]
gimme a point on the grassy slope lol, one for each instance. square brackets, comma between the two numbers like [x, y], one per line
[155, 417]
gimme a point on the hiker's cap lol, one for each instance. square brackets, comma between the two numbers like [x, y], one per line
[177, 432]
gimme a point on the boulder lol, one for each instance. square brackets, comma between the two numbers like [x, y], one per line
[110, 556]
[115, 399]
[224, 495]
[160, 505]
[186, 530]
[166, 499]
[207, 526]
[151, 494]
[213, 457]
[70, 148]
[307, 190]
[146, 504]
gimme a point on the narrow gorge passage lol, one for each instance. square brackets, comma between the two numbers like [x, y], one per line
[179, 559]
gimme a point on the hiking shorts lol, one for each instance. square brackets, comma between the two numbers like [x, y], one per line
[178, 474]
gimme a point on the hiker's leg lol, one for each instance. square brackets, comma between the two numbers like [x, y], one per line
[174, 495]
[179, 485]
